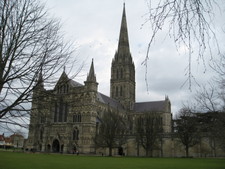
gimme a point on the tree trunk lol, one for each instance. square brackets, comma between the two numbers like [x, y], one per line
[138, 151]
[187, 151]
[214, 147]
[161, 148]
[200, 147]
[110, 151]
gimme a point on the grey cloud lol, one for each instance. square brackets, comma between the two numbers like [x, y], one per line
[95, 25]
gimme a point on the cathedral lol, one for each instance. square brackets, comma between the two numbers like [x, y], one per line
[65, 118]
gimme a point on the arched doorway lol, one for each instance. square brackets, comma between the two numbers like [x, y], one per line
[120, 151]
[55, 146]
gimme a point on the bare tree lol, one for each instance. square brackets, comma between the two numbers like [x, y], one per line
[219, 126]
[211, 101]
[148, 129]
[211, 97]
[208, 98]
[187, 128]
[31, 45]
[190, 25]
[219, 68]
[112, 131]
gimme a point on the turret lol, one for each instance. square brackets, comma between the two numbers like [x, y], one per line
[38, 90]
[91, 82]
[39, 82]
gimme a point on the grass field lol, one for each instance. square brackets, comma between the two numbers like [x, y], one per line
[13, 160]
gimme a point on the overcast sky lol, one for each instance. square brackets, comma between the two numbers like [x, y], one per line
[94, 26]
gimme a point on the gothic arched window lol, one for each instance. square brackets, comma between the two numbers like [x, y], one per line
[116, 91]
[77, 118]
[63, 89]
[121, 91]
[61, 111]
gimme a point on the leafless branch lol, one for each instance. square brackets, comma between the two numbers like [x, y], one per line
[189, 24]
[31, 45]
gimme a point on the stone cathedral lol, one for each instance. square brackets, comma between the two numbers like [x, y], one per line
[65, 119]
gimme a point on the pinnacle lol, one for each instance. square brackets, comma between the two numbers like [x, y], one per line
[123, 38]
[91, 75]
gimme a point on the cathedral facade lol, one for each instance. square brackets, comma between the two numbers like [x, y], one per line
[65, 118]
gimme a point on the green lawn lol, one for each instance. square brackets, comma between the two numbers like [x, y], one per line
[15, 160]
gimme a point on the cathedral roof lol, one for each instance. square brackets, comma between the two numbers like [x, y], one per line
[107, 100]
[74, 83]
[150, 106]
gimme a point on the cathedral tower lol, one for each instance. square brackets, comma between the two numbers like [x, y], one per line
[122, 87]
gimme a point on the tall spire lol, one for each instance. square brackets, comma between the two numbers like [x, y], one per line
[123, 38]
[122, 83]
[91, 76]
